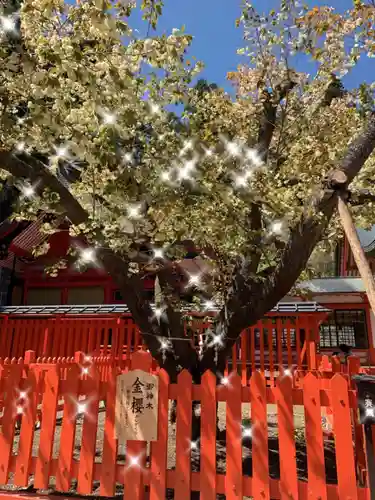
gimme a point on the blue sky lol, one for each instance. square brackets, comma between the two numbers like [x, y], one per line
[216, 39]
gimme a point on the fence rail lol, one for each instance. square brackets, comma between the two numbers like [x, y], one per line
[272, 345]
[75, 448]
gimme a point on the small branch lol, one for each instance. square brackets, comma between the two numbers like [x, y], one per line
[268, 121]
[255, 226]
[362, 197]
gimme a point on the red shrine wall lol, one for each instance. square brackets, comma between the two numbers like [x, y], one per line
[94, 286]
[91, 287]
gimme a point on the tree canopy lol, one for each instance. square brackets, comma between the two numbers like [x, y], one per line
[251, 181]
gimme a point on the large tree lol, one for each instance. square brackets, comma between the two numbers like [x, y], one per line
[250, 183]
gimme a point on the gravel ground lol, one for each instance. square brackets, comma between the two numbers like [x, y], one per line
[221, 448]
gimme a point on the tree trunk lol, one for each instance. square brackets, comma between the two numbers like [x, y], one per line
[218, 369]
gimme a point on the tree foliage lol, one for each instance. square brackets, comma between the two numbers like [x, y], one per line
[250, 181]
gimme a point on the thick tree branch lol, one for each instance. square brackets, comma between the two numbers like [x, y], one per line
[28, 167]
[187, 355]
[268, 120]
[116, 266]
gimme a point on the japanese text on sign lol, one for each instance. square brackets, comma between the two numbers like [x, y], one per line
[136, 406]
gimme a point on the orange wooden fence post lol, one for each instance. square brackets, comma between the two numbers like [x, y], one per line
[261, 347]
[23, 463]
[279, 345]
[208, 437]
[233, 478]
[312, 337]
[79, 357]
[354, 365]
[67, 438]
[270, 352]
[115, 338]
[128, 326]
[314, 437]
[298, 342]
[183, 437]
[347, 482]
[10, 388]
[252, 348]
[234, 358]
[288, 327]
[46, 340]
[89, 430]
[108, 469]
[29, 357]
[121, 343]
[287, 446]
[47, 432]
[159, 448]
[261, 486]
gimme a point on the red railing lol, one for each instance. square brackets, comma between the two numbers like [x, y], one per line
[272, 345]
[80, 453]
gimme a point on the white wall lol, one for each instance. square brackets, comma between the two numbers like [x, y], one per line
[338, 299]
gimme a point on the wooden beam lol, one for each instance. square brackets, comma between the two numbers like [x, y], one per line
[357, 251]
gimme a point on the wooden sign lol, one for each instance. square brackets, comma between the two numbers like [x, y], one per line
[137, 406]
[366, 397]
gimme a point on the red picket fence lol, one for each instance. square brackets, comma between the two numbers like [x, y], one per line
[272, 345]
[80, 453]
[327, 366]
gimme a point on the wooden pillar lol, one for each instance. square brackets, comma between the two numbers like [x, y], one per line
[357, 251]
[312, 336]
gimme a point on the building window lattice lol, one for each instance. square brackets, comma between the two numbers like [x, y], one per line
[345, 327]
[285, 337]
